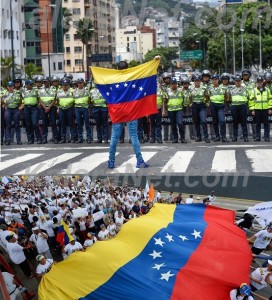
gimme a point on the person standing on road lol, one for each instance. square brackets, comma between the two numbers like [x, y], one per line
[263, 238]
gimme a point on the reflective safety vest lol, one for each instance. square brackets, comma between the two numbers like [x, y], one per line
[249, 85]
[260, 99]
[3, 91]
[30, 97]
[198, 94]
[239, 95]
[47, 95]
[186, 96]
[217, 94]
[66, 99]
[12, 100]
[175, 100]
[81, 97]
[97, 98]
[159, 98]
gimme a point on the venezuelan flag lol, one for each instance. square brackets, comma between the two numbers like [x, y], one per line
[174, 252]
[63, 236]
[131, 93]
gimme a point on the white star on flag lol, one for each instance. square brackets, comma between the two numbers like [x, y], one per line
[155, 254]
[157, 266]
[110, 88]
[183, 237]
[117, 85]
[196, 234]
[159, 242]
[144, 94]
[169, 237]
[140, 88]
[166, 276]
[125, 84]
[108, 93]
[134, 86]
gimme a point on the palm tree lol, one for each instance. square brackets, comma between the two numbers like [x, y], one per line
[67, 18]
[31, 70]
[85, 31]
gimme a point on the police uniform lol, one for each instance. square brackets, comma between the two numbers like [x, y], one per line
[239, 106]
[12, 102]
[217, 99]
[82, 97]
[186, 93]
[47, 98]
[155, 120]
[198, 101]
[65, 103]
[31, 114]
[3, 91]
[100, 113]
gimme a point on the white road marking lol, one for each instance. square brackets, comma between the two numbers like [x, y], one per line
[14, 161]
[179, 162]
[224, 161]
[261, 159]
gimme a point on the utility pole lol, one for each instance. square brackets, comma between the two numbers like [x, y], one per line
[12, 45]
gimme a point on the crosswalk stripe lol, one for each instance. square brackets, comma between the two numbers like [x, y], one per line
[14, 161]
[87, 164]
[130, 165]
[47, 164]
[179, 162]
[3, 155]
[261, 159]
[224, 161]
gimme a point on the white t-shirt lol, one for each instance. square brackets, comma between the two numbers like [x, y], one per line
[189, 200]
[89, 242]
[263, 239]
[103, 234]
[112, 229]
[8, 278]
[40, 242]
[69, 248]
[42, 269]
[16, 253]
[259, 274]
[233, 296]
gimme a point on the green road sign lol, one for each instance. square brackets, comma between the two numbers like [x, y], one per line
[191, 55]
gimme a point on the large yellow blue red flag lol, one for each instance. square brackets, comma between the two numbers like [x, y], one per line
[174, 252]
[131, 93]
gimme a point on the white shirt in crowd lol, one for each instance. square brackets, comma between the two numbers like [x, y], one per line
[103, 234]
[233, 296]
[16, 253]
[40, 242]
[69, 248]
[42, 269]
[263, 239]
[89, 243]
[189, 200]
[14, 292]
[112, 229]
[259, 274]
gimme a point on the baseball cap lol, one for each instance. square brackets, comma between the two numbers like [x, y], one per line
[245, 289]
[39, 257]
[9, 237]
[35, 228]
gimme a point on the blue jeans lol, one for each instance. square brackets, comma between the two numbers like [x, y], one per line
[155, 125]
[116, 133]
[199, 116]
[101, 119]
[52, 116]
[176, 118]
[66, 119]
[82, 115]
[12, 113]
[218, 116]
[239, 115]
[31, 117]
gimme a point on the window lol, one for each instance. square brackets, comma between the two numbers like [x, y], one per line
[8, 14]
[54, 66]
[68, 62]
[76, 37]
[24, 44]
[67, 37]
[60, 66]
[135, 39]
[17, 35]
[65, 1]
[76, 11]
[128, 38]
[78, 49]
[78, 62]
[75, 24]
[67, 49]
[5, 53]
[3, 12]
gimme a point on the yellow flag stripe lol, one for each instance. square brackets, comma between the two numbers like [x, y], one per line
[109, 76]
[83, 272]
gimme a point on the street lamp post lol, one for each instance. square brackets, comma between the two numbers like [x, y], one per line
[12, 45]
[233, 51]
[48, 45]
[260, 41]
[242, 47]
[226, 52]
[89, 32]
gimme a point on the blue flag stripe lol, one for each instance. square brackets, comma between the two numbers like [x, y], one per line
[128, 91]
[173, 245]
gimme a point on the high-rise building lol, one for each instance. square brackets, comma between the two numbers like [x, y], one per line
[101, 46]
[11, 21]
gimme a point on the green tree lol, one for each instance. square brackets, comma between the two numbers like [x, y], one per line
[166, 54]
[66, 19]
[6, 66]
[32, 70]
[133, 63]
[85, 32]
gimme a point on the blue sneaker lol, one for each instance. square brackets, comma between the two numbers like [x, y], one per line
[111, 164]
[141, 164]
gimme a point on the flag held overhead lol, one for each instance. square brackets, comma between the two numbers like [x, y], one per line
[130, 93]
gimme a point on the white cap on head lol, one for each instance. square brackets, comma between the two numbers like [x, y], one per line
[35, 228]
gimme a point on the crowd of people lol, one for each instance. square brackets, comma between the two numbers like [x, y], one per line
[67, 103]
[32, 210]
